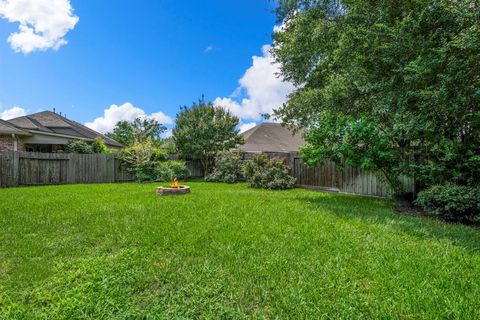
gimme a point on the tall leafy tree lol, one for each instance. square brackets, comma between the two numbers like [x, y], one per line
[122, 133]
[147, 129]
[392, 86]
[137, 131]
[203, 130]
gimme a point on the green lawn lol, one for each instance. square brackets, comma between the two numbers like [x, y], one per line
[227, 251]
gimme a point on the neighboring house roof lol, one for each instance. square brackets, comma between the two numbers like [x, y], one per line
[8, 128]
[271, 137]
[52, 123]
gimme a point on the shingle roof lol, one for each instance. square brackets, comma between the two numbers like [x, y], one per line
[271, 137]
[47, 121]
[23, 122]
[8, 128]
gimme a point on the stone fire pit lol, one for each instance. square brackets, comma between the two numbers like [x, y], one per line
[174, 189]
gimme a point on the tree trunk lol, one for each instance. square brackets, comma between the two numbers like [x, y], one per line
[205, 161]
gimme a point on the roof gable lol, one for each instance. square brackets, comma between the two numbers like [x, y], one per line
[51, 122]
[8, 128]
[24, 122]
[50, 119]
[271, 137]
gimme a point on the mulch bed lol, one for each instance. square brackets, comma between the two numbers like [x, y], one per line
[406, 209]
[409, 210]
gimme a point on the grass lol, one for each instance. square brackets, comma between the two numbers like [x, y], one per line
[226, 251]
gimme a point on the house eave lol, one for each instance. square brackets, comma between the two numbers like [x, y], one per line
[66, 136]
[16, 133]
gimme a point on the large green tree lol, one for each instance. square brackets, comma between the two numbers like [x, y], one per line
[137, 131]
[203, 130]
[391, 86]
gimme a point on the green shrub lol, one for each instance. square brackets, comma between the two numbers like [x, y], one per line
[228, 168]
[262, 172]
[169, 170]
[159, 154]
[79, 146]
[99, 146]
[83, 147]
[140, 160]
[451, 202]
[148, 163]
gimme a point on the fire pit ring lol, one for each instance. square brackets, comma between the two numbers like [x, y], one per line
[169, 191]
[174, 189]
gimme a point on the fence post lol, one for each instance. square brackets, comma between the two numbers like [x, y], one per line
[15, 169]
[110, 161]
[291, 160]
[71, 173]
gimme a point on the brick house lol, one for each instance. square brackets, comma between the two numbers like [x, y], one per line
[11, 138]
[45, 132]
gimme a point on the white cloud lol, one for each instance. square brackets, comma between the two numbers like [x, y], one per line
[208, 49]
[167, 134]
[247, 126]
[11, 113]
[125, 112]
[43, 23]
[161, 117]
[279, 28]
[263, 89]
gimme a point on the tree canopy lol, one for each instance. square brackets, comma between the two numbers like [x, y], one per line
[203, 130]
[137, 131]
[392, 86]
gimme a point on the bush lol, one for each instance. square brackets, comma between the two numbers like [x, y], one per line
[451, 202]
[148, 163]
[262, 172]
[79, 146]
[228, 168]
[83, 147]
[98, 146]
[159, 155]
[169, 170]
[140, 160]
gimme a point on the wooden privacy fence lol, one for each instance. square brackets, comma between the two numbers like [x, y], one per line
[330, 177]
[325, 177]
[347, 180]
[195, 168]
[31, 168]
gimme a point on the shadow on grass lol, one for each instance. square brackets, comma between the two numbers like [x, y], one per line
[379, 211]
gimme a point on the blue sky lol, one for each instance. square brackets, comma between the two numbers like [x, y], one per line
[155, 55]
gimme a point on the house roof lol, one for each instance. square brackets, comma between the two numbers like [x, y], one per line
[271, 137]
[53, 123]
[8, 128]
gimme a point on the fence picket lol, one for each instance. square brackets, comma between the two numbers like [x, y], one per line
[31, 168]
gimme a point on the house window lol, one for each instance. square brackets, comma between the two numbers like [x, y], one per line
[45, 148]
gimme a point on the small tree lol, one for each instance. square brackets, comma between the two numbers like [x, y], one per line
[204, 130]
[138, 160]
